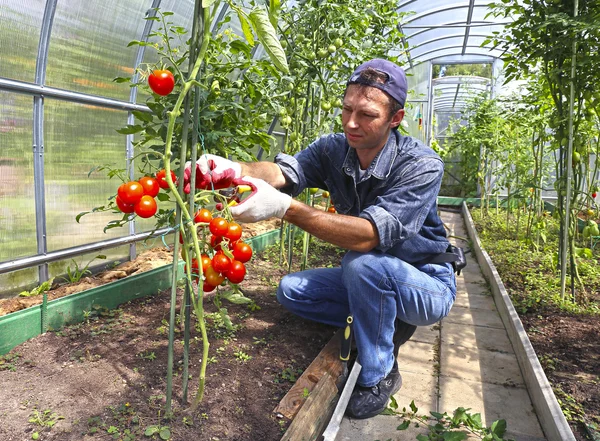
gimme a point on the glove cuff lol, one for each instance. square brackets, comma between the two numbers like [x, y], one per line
[286, 201]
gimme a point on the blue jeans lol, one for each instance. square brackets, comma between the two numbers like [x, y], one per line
[376, 289]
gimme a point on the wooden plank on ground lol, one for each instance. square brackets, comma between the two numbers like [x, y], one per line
[313, 417]
[328, 361]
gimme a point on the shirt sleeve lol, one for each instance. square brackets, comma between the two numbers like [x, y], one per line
[399, 213]
[305, 169]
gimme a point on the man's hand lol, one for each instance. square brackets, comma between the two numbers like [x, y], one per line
[263, 203]
[212, 171]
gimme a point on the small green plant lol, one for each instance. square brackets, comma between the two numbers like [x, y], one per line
[288, 374]
[46, 418]
[147, 355]
[163, 432]
[457, 427]
[38, 290]
[242, 356]
[187, 421]
[305, 392]
[7, 362]
[75, 274]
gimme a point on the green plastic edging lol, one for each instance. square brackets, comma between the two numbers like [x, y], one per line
[19, 326]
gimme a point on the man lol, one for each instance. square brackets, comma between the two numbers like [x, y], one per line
[385, 188]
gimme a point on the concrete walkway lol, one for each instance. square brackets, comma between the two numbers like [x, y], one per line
[464, 361]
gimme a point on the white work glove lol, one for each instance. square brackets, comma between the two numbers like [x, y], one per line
[263, 203]
[212, 171]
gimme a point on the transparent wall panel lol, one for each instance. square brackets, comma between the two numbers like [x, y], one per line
[77, 265]
[20, 23]
[77, 138]
[88, 47]
[11, 284]
[17, 206]
[416, 109]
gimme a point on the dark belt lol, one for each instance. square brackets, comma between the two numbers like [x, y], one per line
[453, 255]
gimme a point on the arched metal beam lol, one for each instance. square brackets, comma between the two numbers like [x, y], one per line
[452, 47]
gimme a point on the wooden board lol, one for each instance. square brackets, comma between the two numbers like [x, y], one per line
[328, 361]
[313, 417]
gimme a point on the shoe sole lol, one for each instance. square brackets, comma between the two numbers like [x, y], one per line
[378, 411]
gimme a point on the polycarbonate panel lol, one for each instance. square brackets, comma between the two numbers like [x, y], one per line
[13, 283]
[77, 138]
[88, 47]
[20, 22]
[17, 209]
[59, 269]
[416, 110]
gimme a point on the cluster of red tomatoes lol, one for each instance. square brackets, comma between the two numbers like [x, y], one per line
[138, 196]
[230, 252]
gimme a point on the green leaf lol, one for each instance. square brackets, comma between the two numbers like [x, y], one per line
[421, 437]
[413, 408]
[404, 425]
[80, 215]
[151, 430]
[498, 428]
[121, 80]
[163, 197]
[236, 297]
[454, 436]
[130, 129]
[268, 37]
[246, 27]
[393, 404]
[165, 433]
[143, 116]
[437, 415]
[274, 6]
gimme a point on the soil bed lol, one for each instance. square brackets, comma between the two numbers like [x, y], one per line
[566, 343]
[105, 379]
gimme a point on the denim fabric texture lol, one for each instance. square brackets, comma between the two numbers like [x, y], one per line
[398, 194]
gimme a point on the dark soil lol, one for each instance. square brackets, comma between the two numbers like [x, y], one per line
[568, 348]
[106, 379]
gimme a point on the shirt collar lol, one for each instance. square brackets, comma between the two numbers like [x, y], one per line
[381, 166]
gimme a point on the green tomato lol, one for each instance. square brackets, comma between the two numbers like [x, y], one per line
[576, 157]
[326, 106]
[300, 38]
[322, 53]
[338, 103]
[332, 48]
[283, 112]
[313, 190]
[293, 136]
[286, 120]
[284, 44]
[289, 86]
[311, 56]
[338, 42]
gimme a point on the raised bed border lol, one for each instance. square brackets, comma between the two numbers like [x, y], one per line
[19, 326]
[553, 422]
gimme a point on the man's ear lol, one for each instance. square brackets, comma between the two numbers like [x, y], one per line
[397, 119]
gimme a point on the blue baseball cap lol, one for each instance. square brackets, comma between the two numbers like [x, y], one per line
[395, 85]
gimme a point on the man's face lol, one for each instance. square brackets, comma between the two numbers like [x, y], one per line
[365, 117]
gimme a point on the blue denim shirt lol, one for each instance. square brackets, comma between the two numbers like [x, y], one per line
[398, 192]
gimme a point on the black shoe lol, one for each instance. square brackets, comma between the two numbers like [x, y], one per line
[366, 402]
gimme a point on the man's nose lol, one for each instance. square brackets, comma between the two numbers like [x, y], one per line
[352, 122]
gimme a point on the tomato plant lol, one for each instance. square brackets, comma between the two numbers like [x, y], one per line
[162, 180]
[150, 185]
[236, 272]
[125, 208]
[203, 216]
[234, 231]
[206, 262]
[215, 242]
[145, 207]
[221, 263]
[207, 287]
[242, 252]
[130, 192]
[218, 226]
[213, 277]
[161, 81]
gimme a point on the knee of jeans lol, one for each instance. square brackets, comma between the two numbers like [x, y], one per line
[354, 261]
[282, 289]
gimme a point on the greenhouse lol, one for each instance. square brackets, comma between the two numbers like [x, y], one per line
[351, 157]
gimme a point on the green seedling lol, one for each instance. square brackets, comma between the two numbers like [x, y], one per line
[38, 290]
[75, 274]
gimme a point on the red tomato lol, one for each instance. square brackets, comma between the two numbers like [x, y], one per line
[242, 252]
[219, 226]
[237, 271]
[125, 208]
[161, 178]
[206, 262]
[215, 242]
[145, 207]
[331, 209]
[594, 195]
[130, 192]
[150, 185]
[213, 277]
[221, 263]
[207, 287]
[203, 216]
[161, 82]
[234, 231]
[194, 270]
